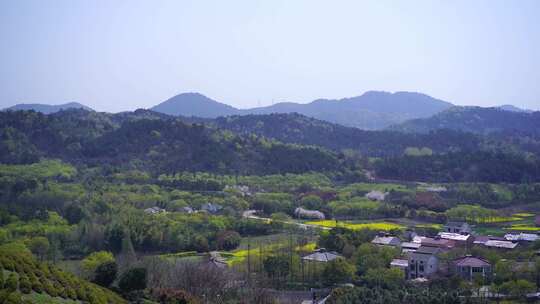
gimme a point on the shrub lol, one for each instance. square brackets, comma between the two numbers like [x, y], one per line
[1, 278]
[12, 283]
[228, 240]
[24, 285]
[105, 274]
[91, 262]
[14, 298]
[133, 279]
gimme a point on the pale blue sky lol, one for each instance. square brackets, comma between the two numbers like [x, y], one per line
[120, 55]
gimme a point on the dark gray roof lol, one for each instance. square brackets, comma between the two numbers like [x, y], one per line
[427, 250]
[322, 256]
[470, 261]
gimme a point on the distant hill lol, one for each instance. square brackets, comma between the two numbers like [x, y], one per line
[47, 108]
[194, 104]
[476, 120]
[512, 108]
[372, 110]
[299, 129]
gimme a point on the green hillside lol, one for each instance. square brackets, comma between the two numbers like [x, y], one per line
[23, 279]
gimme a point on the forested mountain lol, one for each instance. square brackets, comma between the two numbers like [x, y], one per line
[145, 140]
[47, 108]
[262, 144]
[296, 128]
[513, 108]
[372, 110]
[475, 120]
[194, 104]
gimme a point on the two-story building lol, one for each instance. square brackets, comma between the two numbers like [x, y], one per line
[423, 263]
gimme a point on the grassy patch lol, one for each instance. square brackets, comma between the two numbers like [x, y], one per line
[433, 226]
[522, 227]
[357, 226]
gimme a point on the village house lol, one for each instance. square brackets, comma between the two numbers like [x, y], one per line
[308, 214]
[244, 190]
[482, 239]
[457, 227]
[436, 189]
[211, 208]
[496, 244]
[437, 242]
[521, 237]
[462, 240]
[376, 195]
[423, 263]
[321, 255]
[468, 267]
[187, 210]
[154, 210]
[391, 241]
[407, 247]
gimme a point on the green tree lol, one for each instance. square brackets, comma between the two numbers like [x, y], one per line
[39, 246]
[105, 273]
[12, 283]
[277, 266]
[133, 279]
[24, 284]
[369, 256]
[338, 271]
[228, 240]
[388, 278]
[94, 260]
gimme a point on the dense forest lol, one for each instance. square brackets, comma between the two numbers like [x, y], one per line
[150, 142]
[264, 144]
[475, 120]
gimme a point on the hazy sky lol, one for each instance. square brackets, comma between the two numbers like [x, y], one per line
[120, 55]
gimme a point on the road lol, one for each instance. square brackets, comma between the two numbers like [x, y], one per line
[250, 214]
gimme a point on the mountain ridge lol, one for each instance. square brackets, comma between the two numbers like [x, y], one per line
[47, 108]
[476, 120]
[367, 111]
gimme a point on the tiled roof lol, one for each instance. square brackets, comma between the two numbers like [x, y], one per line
[321, 256]
[410, 245]
[500, 244]
[427, 250]
[442, 243]
[399, 263]
[453, 236]
[471, 262]
[529, 237]
[386, 240]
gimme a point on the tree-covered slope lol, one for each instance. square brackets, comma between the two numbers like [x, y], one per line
[148, 140]
[299, 129]
[23, 279]
[476, 120]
